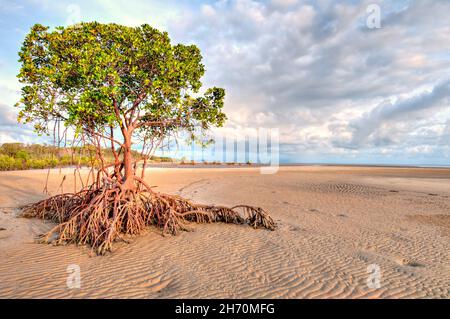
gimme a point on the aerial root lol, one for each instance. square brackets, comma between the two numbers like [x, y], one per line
[100, 216]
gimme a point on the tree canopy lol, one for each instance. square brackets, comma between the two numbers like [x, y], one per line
[97, 77]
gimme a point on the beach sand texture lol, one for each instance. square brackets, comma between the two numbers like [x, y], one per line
[333, 222]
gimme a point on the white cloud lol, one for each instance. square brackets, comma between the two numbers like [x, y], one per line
[208, 11]
[319, 60]
[284, 3]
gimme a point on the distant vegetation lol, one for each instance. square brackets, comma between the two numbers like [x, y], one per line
[18, 156]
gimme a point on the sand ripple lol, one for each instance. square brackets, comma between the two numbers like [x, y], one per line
[331, 228]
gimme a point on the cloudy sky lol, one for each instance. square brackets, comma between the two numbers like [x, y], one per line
[338, 90]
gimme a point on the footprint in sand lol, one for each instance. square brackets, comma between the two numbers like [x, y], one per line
[408, 262]
[294, 228]
[374, 257]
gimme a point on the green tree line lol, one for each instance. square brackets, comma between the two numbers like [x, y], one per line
[20, 156]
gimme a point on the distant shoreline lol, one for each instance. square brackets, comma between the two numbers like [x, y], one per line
[243, 165]
[200, 165]
[368, 165]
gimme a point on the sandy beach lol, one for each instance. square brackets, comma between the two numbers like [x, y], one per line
[333, 222]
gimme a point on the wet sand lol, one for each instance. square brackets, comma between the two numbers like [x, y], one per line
[333, 223]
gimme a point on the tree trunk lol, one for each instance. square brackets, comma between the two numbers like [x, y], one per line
[128, 182]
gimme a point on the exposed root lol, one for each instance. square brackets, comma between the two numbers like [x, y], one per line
[100, 216]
